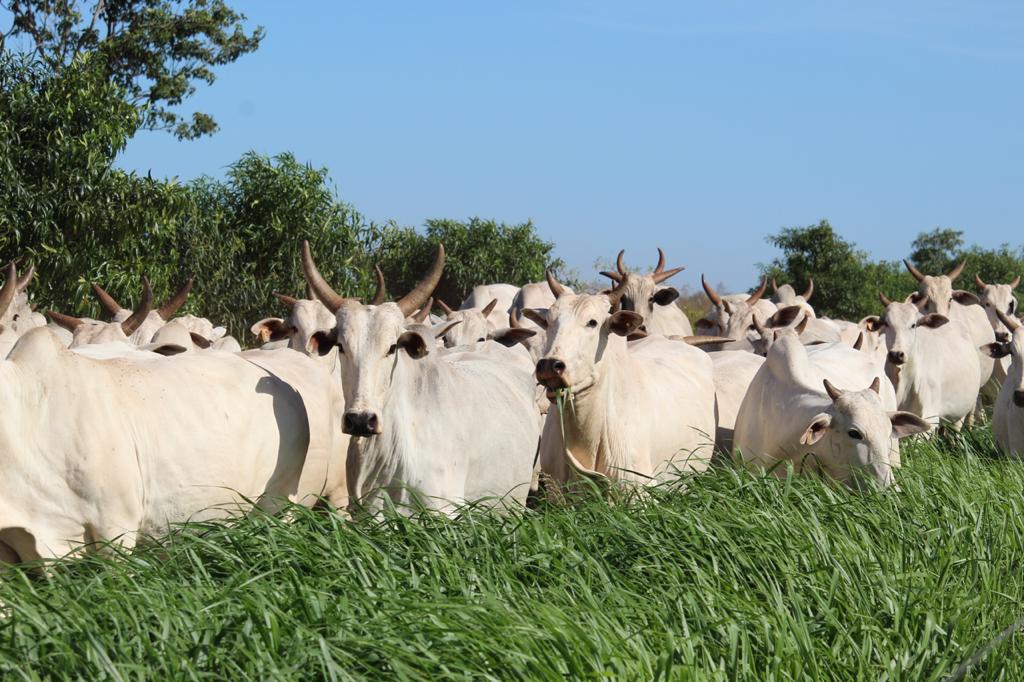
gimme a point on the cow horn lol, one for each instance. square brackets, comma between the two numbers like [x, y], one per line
[810, 289]
[876, 384]
[513, 318]
[913, 271]
[557, 289]
[832, 391]
[415, 299]
[489, 307]
[758, 326]
[139, 315]
[616, 294]
[321, 289]
[619, 263]
[1010, 323]
[168, 309]
[380, 293]
[25, 279]
[709, 290]
[444, 306]
[979, 281]
[660, 274]
[704, 340]
[955, 272]
[67, 321]
[859, 343]
[287, 300]
[802, 326]
[775, 286]
[107, 302]
[10, 287]
[1015, 282]
[885, 301]
[424, 312]
[612, 275]
[756, 296]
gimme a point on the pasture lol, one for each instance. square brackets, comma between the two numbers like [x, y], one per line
[737, 576]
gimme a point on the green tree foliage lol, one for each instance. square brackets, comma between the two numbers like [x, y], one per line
[478, 252]
[155, 51]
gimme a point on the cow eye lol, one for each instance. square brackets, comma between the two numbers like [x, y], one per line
[592, 323]
[391, 351]
[1010, 307]
[855, 434]
[481, 339]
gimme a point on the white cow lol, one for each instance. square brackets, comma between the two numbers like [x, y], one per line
[425, 429]
[785, 295]
[156, 317]
[638, 413]
[475, 324]
[930, 361]
[1008, 412]
[794, 413]
[656, 304]
[535, 296]
[996, 298]
[16, 314]
[85, 331]
[121, 449]
[483, 294]
[734, 370]
[733, 316]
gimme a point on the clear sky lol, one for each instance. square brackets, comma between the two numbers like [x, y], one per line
[698, 127]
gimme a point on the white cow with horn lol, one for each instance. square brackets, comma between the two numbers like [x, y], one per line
[785, 295]
[474, 324]
[16, 316]
[733, 316]
[155, 319]
[655, 304]
[1008, 412]
[88, 332]
[425, 429]
[638, 413]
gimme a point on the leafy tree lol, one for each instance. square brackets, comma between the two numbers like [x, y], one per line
[478, 252]
[156, 51]
[936, 251]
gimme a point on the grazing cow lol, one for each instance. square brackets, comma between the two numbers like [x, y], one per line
[733, 316]
[1008, 412]
[734, 370]
[935, 294]
[656, 304]
[475, 324]
[636, 413]
[785, 295]
[154, 320]
[122, 448]
[793, 412]
[483, 294]
[425, 429]
[930, 362]
[996, 298]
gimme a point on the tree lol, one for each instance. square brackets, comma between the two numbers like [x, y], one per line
[936, 251]
[154, 50]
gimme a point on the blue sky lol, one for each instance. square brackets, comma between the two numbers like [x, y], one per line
[700, 128]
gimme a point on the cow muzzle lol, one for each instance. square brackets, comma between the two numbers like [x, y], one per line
[1002, 337]
[897, 357]
[551, 374]
[1018, 398]
[360, 423]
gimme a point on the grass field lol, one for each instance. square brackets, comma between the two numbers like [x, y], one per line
[735, 577]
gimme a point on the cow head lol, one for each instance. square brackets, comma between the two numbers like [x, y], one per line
[13, 299]
[640, 293]
[935, 293]
[996, 298]
[85, 332]
[473, 326]
[785, 295]
[768, 331]
[900, 325]
[1012, 346]
[307, 318]
[851, 439]
[579, 330]
[371, 341]
[731, 316]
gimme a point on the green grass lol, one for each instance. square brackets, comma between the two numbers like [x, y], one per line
[735, 577]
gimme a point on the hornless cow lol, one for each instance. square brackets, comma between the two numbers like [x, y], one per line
[639, 413]
[930, 362]
[656, 304]
[1008, 412]
[849, 433]
[124, 448]
[425, 429]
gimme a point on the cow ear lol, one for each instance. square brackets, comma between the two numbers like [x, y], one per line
[666, 295]
[200, 340]
[933, 321]
[513, 335]
[413, 344]
[445, 327]
[784, 317]
[816, 430]
[704, 323]
[624, 322]
[169, 349]
[996, 350]
[966, 298]
[727, 307]
[320, 343]
[538, 317]
[271, 329]
[873, 323]
[906, 424]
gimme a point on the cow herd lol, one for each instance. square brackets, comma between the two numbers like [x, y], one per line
[117, 430]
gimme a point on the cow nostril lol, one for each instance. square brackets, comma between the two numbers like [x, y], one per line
[1018, 398]
[371, 422]
[897, 357]
[558, 366]
[350, 422]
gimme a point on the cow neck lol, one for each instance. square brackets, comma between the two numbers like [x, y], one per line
[588, 415]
